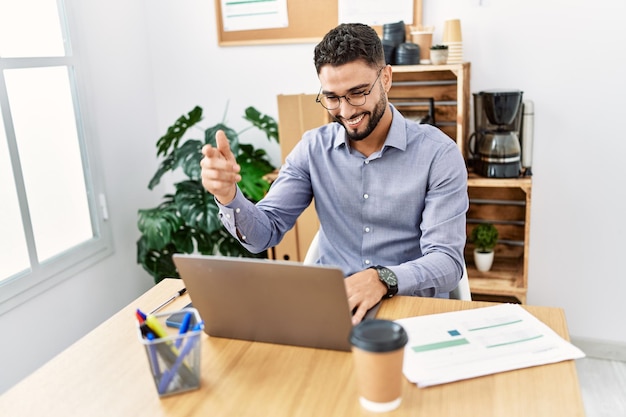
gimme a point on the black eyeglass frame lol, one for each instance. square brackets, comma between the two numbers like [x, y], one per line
[345, 97]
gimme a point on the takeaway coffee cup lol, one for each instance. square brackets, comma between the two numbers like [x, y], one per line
[378, 352]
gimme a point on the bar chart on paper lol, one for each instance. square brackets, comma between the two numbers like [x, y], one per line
[466, 344]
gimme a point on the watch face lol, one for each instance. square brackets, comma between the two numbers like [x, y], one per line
[388, 277]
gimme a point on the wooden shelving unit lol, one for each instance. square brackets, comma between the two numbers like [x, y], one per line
[504, 202]
[448, 85]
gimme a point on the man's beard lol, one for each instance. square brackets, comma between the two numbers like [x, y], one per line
[374, 119]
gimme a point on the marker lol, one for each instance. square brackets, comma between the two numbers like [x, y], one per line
[153, 323]
[184, 327]
[140, 316]
[172, 298]
[145, 330]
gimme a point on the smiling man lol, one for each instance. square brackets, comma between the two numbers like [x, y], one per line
[390, 194]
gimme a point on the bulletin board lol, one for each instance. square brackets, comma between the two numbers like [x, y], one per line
[309, 21]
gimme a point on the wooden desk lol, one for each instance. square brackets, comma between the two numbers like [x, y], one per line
[106, 374]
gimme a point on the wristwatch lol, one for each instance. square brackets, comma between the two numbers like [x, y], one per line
[387, 277]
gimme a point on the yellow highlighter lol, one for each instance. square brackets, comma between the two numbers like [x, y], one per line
[155, 326]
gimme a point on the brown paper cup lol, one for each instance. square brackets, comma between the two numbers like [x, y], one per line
[378, 353]
[452, 31]
[425, 41]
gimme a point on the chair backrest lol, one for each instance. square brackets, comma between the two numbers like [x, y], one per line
[313, 252]
[461, 292]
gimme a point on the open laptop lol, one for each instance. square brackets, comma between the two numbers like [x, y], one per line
[269, 301]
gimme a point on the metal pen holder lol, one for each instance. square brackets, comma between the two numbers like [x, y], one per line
[174, 357]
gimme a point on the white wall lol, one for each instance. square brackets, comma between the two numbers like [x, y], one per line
[121, 102]
[565, 56]
[154, 60]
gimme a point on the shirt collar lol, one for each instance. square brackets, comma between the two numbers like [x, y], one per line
[397, 132]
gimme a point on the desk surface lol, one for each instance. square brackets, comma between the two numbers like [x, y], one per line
[106, 374]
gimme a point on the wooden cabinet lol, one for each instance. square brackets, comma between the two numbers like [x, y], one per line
[504, 202]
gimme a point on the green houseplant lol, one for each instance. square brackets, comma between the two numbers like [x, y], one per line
[187, 221]
[484, 237]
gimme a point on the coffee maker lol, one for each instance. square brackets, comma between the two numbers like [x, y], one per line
[495, 144]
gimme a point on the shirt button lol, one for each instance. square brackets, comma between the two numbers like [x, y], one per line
[243, 237]
[366, 196]
[237, 210]
[228, 215]
[367, 262]
[367, 230]
[367, 162]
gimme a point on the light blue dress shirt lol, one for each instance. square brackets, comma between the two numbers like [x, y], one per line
[403, 207]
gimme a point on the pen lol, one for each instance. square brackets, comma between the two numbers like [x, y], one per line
[184, 327]
[172, 298]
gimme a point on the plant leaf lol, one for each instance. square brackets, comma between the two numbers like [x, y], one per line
[263, 122]
[188, 157]
[166, 165]
[229, 246]
[254, 165]
[157, 263]
[182, 240]
[177, 130]
[197, 207]
[158, 225]
[233, 137]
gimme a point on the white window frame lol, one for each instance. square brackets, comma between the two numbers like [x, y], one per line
[43, 275]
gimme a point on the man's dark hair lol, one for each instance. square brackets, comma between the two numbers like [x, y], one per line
[350, 42]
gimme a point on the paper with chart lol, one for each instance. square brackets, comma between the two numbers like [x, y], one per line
[465, 344]
[254, 14]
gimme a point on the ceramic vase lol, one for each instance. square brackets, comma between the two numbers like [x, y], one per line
[438, 56]
[483, 260]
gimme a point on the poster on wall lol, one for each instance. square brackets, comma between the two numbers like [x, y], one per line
[254, 14]
[376, 12]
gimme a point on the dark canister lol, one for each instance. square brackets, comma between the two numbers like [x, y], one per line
[407, 53]
[393, 35]
[395, 32]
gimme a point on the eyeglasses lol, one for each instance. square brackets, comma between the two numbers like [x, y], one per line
[357, 98]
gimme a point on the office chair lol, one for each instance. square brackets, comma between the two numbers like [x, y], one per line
[313, 252]
[461, 292]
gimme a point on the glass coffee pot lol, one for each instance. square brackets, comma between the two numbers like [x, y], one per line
[497, 148]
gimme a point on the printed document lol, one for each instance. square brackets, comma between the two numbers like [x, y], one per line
[254, 14]
[465, 344]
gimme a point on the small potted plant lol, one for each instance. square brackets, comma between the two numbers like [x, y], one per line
[484, 237]
[439, 54]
